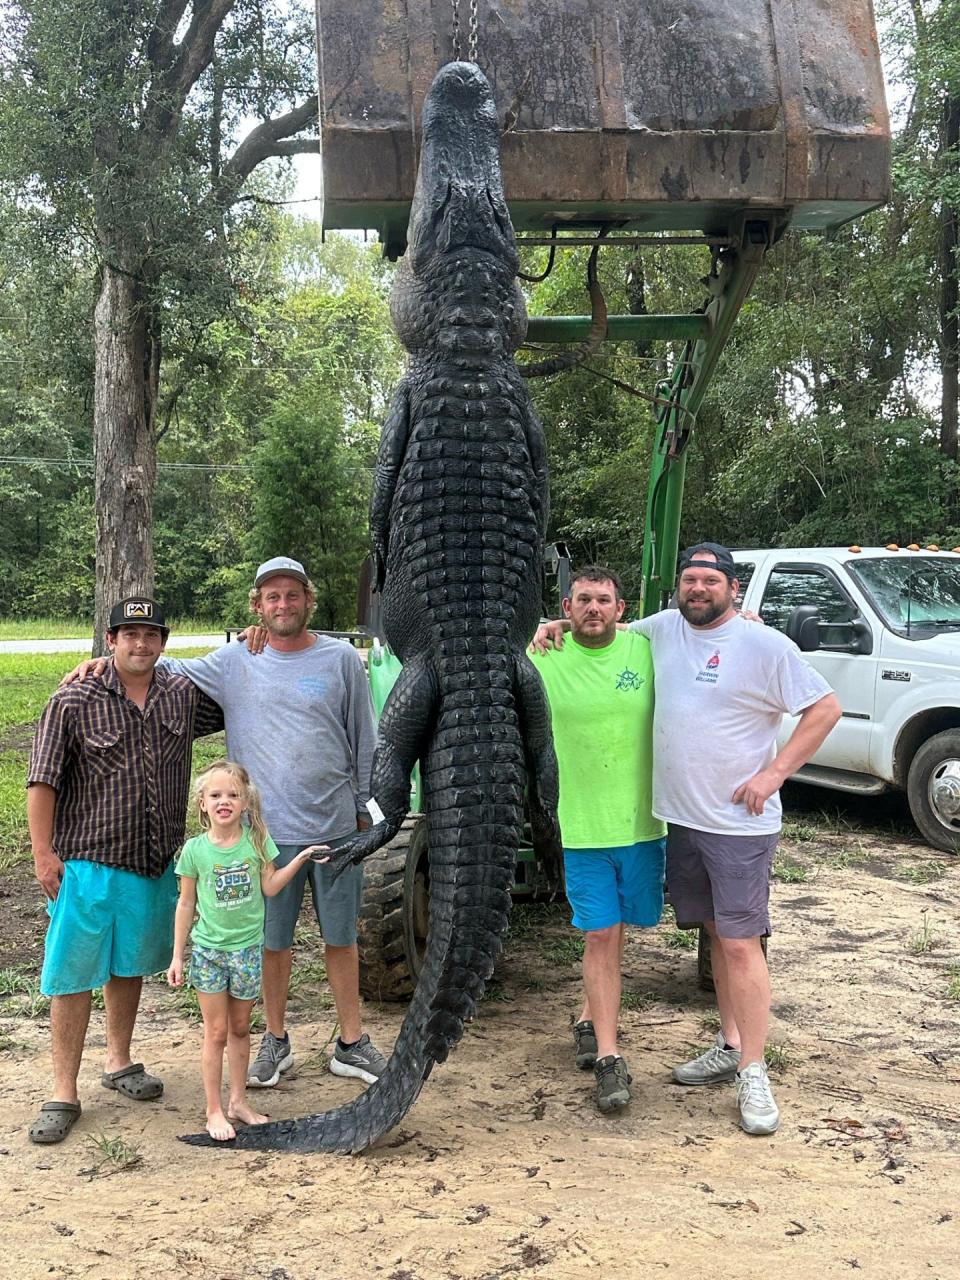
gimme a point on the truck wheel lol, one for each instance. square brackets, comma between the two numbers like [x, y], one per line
[392, 928]
[933, 790]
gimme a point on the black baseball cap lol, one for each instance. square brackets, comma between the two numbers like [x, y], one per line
[690, 558]
[137, 609]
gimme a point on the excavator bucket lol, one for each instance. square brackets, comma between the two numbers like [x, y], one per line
[648, 115]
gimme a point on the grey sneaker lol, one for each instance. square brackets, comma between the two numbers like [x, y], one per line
[364, 1060]
[585, 1044]
[274, 1057]
[711, 1067]
[613, 1083]
[758, 1111]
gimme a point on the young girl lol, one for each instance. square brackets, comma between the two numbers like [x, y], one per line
[223, 876]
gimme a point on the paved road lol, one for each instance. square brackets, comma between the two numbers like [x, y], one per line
[83, 645]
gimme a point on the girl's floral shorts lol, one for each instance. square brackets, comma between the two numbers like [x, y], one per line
[236, 972]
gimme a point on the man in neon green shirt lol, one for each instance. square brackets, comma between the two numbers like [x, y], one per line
[600, 690]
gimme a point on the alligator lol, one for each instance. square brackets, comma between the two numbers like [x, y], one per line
[458, 519]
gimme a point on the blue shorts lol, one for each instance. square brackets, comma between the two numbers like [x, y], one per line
[238, 973]
[106, 923]
[616, 886]
[336, 906]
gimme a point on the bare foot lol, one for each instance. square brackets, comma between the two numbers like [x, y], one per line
[219, 1127]
[245, 1113]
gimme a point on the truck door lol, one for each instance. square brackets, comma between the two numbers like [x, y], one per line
[851, 674]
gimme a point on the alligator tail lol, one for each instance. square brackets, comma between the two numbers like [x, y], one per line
[474, 816]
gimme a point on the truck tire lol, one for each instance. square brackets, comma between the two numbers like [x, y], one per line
[392, 927]
[933, 790]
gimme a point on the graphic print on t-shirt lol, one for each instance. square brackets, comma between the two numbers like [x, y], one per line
[710, 672]
[232, 884]
[628, 679]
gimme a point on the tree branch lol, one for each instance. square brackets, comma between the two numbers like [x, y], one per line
[194, 54]
[269, 138]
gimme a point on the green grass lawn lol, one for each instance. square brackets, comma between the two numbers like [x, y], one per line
[26, 682]
[81, 628]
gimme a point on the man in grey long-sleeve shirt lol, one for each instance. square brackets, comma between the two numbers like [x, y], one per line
[299, 718]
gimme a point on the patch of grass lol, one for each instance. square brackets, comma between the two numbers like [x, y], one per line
[788, 871]
[924, 940]
[953, 986]
[710, 1022]
[81, 628]
[923, 873]
[802, 832]
[637, 1001]
[113, 1155]
[778, 1057]
[20, 994]
[497, 993]
[564, 951]
[183, 1001]
[681, 939]
[530, 918]
[851, 856]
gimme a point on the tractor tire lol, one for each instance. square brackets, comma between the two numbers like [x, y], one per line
[933, 790]
[392, 927]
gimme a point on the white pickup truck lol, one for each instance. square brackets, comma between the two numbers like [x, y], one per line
[883, 626]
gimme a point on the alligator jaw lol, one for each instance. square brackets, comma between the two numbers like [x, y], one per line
[458, 202]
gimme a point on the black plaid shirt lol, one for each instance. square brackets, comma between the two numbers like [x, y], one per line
[121, 774]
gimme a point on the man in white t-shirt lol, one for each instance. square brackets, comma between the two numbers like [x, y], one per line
[722, 687]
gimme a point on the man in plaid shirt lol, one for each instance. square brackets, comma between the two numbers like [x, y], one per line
[106, 799]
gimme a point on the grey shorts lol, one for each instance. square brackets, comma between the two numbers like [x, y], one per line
[336, 906]
[721, 878]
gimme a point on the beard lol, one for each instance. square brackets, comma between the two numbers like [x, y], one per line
[290, 625]
[700, 613]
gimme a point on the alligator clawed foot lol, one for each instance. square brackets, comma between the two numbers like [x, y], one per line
[361, 846]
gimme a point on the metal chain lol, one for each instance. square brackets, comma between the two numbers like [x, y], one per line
[473, 30]
[472, 38]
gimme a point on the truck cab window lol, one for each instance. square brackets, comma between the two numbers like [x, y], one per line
[788, 588]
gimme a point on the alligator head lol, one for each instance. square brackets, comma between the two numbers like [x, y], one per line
[459, 219]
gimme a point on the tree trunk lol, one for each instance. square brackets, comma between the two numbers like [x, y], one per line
[949, 292]
[126, 357]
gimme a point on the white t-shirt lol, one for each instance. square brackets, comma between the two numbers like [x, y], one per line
[720, 695]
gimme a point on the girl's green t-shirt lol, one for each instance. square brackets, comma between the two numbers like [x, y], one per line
[229, 897]
[601, 707]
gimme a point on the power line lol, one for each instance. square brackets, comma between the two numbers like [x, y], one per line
[88, 462]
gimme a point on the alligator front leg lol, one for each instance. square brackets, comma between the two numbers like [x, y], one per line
[405, 728]
[543, 778]
[393, 445]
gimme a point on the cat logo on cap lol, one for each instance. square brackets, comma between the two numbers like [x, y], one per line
[138, 610]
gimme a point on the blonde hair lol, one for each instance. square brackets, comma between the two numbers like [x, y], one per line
[249, 796]
[255, 594]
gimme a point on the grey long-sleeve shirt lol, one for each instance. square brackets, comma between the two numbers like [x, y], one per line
[302, 725]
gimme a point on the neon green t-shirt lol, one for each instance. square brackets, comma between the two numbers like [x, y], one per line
[229, 897]
[601, 705]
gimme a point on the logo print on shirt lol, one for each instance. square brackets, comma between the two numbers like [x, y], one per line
[232, 884]
[710, 672]
[628, 679]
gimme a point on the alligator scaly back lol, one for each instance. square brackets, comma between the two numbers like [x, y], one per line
[458, 518]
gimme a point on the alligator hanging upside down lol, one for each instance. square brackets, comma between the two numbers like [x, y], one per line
[458, 518]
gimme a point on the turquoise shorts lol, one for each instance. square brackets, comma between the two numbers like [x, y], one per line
[236, 972]
[616, 886]
[106, 923]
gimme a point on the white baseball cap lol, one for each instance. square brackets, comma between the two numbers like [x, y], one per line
[281, 566]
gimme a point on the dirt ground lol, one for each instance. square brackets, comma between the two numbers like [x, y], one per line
[504, 1167]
